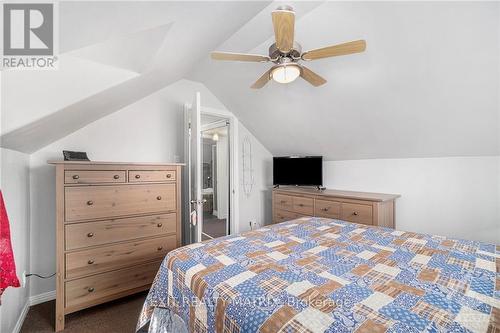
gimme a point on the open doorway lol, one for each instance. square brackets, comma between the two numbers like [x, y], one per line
[213, 199]
[215, 175]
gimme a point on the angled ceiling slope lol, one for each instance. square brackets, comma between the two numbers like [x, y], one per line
[101, 30]
[427, 85]
[32, 95]
[40, 133]
[133, 52]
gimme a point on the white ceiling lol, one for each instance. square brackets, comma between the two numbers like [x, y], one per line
[428, 84]
[112, 55]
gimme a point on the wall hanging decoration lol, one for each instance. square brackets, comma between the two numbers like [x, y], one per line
[248, 180]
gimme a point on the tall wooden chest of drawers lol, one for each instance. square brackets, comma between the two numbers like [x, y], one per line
[115, 223]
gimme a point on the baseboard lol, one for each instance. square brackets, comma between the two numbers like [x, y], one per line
[42, 298]
[21, 318]
[33, 300]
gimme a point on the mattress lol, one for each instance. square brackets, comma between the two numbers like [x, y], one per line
[324, 275]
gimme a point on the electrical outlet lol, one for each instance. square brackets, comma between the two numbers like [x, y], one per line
[23, 280]
[253, 224]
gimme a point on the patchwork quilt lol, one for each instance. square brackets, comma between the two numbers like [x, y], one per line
[322, 275]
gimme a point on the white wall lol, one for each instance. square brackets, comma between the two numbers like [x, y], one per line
[144, 131]
[150, 130]
[15, 188]
[450, 196]
[257, 206]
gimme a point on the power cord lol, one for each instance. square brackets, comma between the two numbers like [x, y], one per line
[40, 276]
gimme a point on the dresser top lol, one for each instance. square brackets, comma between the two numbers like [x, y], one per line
[110, 163]
[338, 193]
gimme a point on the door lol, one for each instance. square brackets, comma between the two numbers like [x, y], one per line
[195, 215]
[215, 176]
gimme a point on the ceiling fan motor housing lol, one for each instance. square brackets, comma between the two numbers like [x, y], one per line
[285, 8]
[275, 53]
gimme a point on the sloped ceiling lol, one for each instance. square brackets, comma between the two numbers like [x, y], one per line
[134, 52]
[427, 85]
[112, 54]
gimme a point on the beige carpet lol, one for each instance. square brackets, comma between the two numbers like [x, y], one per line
[119, 316]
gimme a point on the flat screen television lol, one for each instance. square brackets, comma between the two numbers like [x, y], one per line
[298, 170]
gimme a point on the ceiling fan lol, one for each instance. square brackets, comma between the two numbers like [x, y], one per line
[286, 54]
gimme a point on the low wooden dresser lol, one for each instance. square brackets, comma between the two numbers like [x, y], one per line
[360, 207]
[115, 223]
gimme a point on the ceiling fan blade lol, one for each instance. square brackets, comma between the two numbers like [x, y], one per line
[284, 25]
[261, 82]
[335, 50]
[239, 57]
[311, 77]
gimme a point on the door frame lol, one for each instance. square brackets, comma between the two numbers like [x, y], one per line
[190, 233]
[186, 176]
[233, 164]
[233, 170]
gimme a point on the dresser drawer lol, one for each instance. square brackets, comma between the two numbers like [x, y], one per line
[303, 205]
[117, 256]
[141, 176]
[284, 215]
[92, 202]
[103, 287]
[283, 202]
[327, 208]
[93, 177]
[81, 235]
[358, 213]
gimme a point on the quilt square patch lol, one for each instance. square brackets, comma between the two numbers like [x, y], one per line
[441, 317]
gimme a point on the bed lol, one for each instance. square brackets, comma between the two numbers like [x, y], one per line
[323, 275]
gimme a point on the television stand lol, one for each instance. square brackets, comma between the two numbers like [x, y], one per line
[318, 187]
[375, 209]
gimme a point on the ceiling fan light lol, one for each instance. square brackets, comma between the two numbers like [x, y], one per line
[285, 73]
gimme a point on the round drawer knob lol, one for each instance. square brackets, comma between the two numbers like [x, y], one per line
[76, 177]
[355, 213]
[137, 176]
[90, 262]
[160, 248]
[159, 225]
[90, 234]
[169, 175]
[324, 209]
[116, 177]
[90, 290]
[158, 197]
[90, 202]
[301, 205]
